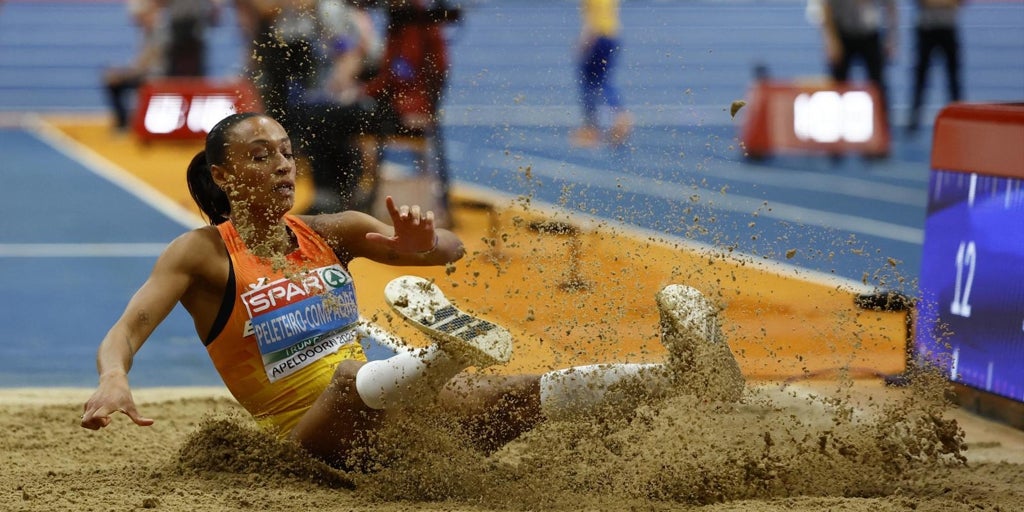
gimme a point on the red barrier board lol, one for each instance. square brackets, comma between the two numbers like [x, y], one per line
[187, 108]
[814, 117]
[980, 137]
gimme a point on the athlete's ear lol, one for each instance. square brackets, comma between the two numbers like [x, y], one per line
[220, 175]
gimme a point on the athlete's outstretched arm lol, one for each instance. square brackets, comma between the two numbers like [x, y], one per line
[411, 239]
[170, 278]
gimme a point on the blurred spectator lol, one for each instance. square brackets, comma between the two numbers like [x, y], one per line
[285, 58]
[935, 28]
[414, 67]
[412, 78]
[173, 45]
[309, 59]
[149, 62]
[324, 73]
[860, 29]
[187, 22]
[354, 48]
[598, 48]
[331, 117]
[348, 19]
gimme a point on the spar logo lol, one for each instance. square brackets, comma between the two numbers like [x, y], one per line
[286, 291]
[334, 276]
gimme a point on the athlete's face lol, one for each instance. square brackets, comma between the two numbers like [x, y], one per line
[259, 174]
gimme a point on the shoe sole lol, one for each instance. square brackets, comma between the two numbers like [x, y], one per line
[700, 317]
[423, 305]
[698, 350]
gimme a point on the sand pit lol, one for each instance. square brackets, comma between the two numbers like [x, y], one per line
[809, 447]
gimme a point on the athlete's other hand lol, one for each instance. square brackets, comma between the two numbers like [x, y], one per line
[414, 231]
[113, 395]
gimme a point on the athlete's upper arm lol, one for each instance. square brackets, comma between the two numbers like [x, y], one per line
[175, 271]
[346, 233]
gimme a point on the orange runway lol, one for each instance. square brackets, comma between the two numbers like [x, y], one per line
[780, 324]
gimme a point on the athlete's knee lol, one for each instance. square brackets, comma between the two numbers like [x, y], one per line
[344, 379]
[525, 386]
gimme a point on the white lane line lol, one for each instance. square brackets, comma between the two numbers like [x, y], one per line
[111, 172]
[871, 189]
[566, 116]
[621, 183]
[114, 250]
[683, 117]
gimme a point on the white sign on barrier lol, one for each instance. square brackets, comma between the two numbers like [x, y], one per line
[830, 116]
[167, 113]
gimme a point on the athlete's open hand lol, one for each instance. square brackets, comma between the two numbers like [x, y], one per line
[414, 230]
[111, 397]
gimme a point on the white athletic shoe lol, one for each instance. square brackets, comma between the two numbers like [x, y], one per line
[464, 336]
[688, 313]
[698, 353]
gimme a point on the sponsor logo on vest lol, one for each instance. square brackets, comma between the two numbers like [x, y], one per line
[283, 292]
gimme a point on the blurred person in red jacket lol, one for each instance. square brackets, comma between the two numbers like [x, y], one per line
[412, 77]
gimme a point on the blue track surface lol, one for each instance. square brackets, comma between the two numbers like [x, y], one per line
[72, 251]
[510, 107]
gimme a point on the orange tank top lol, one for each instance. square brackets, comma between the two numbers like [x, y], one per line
[290, 324]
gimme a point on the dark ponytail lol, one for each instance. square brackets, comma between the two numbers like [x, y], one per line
[205, 192]
[207, 195]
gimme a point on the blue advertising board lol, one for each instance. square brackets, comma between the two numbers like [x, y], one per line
[970, 314]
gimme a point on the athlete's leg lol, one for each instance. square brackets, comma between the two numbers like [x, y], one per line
[582, 389]
[354, 401]
[497, 409]
[591, 76]
[494, 409]
[622, 121]
[337, 419]
[407, 379]
[699, 363]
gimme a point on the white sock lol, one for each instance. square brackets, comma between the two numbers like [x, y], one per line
[576, 390]
[406, 379]
[376, 338]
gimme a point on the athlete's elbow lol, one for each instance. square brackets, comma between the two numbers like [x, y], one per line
[457, 253]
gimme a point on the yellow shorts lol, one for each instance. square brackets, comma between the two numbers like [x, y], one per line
[310, 383]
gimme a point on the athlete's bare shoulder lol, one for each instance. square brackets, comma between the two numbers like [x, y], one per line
[197, 263]
[196, 250]
[201, 238]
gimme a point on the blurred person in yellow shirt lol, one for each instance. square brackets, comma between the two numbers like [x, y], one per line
[598, 47]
